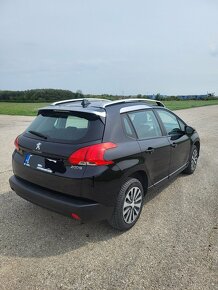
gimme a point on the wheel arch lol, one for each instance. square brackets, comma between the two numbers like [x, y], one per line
[142, 177]
[197, 144]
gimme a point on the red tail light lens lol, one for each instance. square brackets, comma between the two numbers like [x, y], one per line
[92, 155]
[16, 144]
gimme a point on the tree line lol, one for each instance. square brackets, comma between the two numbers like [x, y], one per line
[38, 95]
[50, 95]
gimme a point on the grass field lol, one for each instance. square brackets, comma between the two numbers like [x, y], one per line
[179, 105]
[30, 109]
[23, 109]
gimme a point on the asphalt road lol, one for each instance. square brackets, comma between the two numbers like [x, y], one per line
[173, 245]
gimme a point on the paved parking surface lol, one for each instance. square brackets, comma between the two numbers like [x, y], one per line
[173, 245]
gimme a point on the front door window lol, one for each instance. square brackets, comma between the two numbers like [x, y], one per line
[170, 122]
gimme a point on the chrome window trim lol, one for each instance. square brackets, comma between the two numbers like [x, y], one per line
[134, 108]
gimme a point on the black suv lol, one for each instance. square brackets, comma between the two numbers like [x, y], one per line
[96, 159]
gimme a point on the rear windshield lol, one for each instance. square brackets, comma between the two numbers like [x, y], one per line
[73, 127]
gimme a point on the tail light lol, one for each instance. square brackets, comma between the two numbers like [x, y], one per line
[16, 144]
[92, 155]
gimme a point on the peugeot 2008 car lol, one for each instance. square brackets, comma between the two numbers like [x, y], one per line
[96, 159]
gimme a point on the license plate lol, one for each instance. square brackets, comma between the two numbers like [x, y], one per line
[41, 163]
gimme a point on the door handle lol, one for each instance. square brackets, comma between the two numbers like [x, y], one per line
[149, 150]
[174, 145]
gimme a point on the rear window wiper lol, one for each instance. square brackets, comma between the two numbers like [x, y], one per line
[37, 134]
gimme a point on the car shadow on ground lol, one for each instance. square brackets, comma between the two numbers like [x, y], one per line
[154, 192]
[28, 230]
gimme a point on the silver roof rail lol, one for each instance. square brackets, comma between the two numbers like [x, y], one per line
[66, 101]
[77, 100]
[158, 103]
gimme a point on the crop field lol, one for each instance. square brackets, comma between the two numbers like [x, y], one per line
[30, 109]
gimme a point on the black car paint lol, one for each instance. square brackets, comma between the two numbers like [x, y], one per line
[98, 186]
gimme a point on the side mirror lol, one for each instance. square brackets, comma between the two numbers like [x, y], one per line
[176, 134]
[176, 131]
[189, 130]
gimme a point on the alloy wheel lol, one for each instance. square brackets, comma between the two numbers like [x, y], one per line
[132, 205]
[194, 159]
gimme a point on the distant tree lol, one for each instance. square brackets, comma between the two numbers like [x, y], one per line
[172, 98]
[158, 97]
[79, 94]
[38, 95]
[210, 96]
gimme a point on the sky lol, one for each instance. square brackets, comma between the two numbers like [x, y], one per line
[117, 46]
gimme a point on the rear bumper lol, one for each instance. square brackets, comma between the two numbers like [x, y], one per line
[63, 204]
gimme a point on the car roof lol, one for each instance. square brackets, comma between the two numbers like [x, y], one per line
[103, 103]
[98, 106]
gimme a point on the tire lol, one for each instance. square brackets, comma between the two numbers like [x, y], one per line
[126, 211]
[193, 161]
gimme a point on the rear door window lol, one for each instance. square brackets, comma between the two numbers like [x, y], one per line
[70, 127]
[145, 124]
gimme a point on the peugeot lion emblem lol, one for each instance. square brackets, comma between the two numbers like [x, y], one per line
[38, 146]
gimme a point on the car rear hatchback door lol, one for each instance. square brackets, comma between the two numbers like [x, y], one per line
[45, 147]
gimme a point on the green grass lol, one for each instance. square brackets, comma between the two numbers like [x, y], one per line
[30, 109]
[178, 105]
[23, 109]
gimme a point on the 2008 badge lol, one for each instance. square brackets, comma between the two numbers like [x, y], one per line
[76, 167]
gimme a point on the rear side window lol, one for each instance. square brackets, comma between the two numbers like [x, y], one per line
[145, 124]
[128, 129]
[73, 127]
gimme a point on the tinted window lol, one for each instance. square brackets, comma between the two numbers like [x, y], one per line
[67, 127]
[127, 127]
[169, 120]
[77, 121]
[145, 124]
